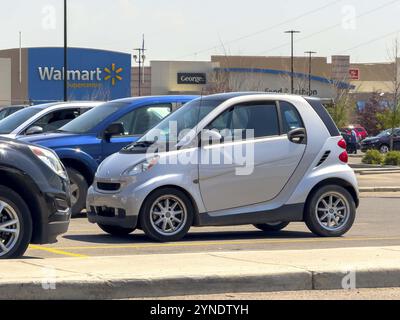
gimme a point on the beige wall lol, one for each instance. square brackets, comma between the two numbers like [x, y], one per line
[19, 90]
[164, 76]
[5, 81]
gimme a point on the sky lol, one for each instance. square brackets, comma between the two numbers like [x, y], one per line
[195, 30]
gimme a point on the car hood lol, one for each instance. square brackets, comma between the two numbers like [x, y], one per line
[109, 170]
[371, 139]
[52, 140]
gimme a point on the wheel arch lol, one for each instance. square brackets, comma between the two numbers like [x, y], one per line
[26, 189]
[335, 181]
[187, 193]
[81, 167]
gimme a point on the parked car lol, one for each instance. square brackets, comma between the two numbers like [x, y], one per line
[86, 141]
[297, 156]
[381, 142]
[43, 118]
[34, 197]
[361, 132]
[8, 111]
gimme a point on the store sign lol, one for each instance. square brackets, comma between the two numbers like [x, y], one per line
[354, 74]
[192, 78]
[91, 74]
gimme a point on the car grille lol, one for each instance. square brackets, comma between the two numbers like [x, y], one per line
[108, 186]
[108, 212]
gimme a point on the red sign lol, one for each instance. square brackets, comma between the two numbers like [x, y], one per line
[354, 74]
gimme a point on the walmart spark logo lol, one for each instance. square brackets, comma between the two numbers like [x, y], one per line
[113, 74]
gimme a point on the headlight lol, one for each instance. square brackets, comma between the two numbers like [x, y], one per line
[50, 159]
[141, 167]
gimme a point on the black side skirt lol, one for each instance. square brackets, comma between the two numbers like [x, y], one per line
[287, 213]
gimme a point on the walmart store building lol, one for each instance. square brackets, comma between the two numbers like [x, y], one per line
[35, 75]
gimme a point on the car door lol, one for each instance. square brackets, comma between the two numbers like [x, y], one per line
[136, 122]
[256, 169]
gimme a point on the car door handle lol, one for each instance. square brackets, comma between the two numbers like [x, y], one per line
[298, 136]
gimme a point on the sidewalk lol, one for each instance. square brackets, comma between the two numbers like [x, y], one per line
[199, 273]
[389, 182]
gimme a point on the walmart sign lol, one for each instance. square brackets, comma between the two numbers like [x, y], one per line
[92, 74]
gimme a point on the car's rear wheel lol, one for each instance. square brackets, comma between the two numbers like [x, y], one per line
[115, 230]
[79, 188]
[166, 215]
[384, 148]
[271, 227]
[15, 224]
[330, 212]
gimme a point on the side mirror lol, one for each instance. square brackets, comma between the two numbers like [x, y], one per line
[34, 130]
[114, 129]
[210, 136]
[298, 136]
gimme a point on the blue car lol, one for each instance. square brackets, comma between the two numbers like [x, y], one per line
[86, 141]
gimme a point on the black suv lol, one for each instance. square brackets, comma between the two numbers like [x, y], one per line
[381, 142]
[34, 197]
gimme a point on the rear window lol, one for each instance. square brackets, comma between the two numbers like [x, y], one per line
[324, 115]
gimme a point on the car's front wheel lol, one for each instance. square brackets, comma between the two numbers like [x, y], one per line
[330, 212]
[15, 224]
[166, 215]
[384, 149]
[271, 227]
[79, 188]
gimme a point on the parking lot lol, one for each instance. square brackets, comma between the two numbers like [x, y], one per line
[377, 225]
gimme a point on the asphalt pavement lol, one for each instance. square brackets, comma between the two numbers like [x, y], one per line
[377, 224]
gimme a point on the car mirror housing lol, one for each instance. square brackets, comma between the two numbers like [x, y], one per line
[114, 129]
[34, 130]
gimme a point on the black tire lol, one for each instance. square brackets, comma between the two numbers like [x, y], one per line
[79, 180]
[145, 215]
[25, 223]
[310, 214]
[272, 227]
[115, 230]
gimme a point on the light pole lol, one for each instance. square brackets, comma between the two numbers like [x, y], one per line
[292, 32]
[310, 53]
[65, 53]
[140, 58]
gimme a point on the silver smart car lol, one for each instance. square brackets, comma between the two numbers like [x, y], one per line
[230, 159]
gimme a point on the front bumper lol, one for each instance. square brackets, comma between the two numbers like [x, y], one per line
[116, 209]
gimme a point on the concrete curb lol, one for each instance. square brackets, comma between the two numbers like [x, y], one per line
[131, 288]
[379, 189]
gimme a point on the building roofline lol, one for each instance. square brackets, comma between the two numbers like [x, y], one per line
[339, 84]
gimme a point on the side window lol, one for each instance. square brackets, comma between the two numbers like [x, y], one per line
[262, 118]
[56, 119]
[139, 121]
[290, 117]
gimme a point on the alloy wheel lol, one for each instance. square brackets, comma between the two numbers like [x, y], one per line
[9, 228]
[168, 215]
[332, 211]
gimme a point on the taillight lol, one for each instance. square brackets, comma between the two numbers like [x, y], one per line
[344, 157]
[342, 143]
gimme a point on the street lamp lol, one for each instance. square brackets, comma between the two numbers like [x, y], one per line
[140, 59]
[310, 53]
[292, 32]
[65, 53]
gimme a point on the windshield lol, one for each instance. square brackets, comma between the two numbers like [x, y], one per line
[90, 119]
[385, 133]
[12, 122]
[172, 128]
